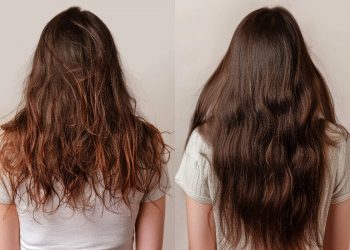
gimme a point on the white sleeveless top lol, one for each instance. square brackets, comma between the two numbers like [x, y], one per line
[196, 177]
[98, 229]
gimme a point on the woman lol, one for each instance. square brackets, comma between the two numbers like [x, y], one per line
[79, 168]
[266, 165]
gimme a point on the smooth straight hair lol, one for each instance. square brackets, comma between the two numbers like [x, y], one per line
[265, 111]
[78, 125]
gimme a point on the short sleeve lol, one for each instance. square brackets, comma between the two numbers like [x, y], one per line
[4, 190]
[4, 185]
[161, 189]
[192, 175]
[342, 179]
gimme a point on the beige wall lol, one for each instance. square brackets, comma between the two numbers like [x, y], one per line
[203, 29]
[143, 32]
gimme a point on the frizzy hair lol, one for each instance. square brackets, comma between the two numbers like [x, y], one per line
[265, 111]
[78, 125]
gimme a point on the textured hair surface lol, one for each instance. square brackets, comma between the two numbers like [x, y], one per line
[78, 124]
[265, 111]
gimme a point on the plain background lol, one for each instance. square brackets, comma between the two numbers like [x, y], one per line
[144, 34]
[203, 30]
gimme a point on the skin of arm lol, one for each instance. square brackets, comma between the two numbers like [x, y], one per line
[9, 227]
[201, 225]
[337, 234]
[149, 226]
[202, 235]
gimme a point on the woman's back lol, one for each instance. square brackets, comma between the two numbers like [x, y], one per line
[196, 177]
[99, 227]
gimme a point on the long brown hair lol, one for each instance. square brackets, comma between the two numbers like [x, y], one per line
[265, 111]
[78, 126]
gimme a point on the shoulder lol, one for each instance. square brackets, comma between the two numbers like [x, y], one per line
[197, 146]
[337, 133]
[340, 141]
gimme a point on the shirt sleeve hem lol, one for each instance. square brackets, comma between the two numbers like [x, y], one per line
[154, 198]
[191, 194]
[5, 202]
[341, 198]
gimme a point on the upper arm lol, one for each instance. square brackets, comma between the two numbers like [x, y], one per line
[150, 225]
[9, 227]
[194, 177]
[337, 234]
[200, 224]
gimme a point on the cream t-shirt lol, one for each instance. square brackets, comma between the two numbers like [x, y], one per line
[98, 229]
[197, 179]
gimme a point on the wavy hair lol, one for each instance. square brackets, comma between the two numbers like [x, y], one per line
[78, 124]
[265, 111]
